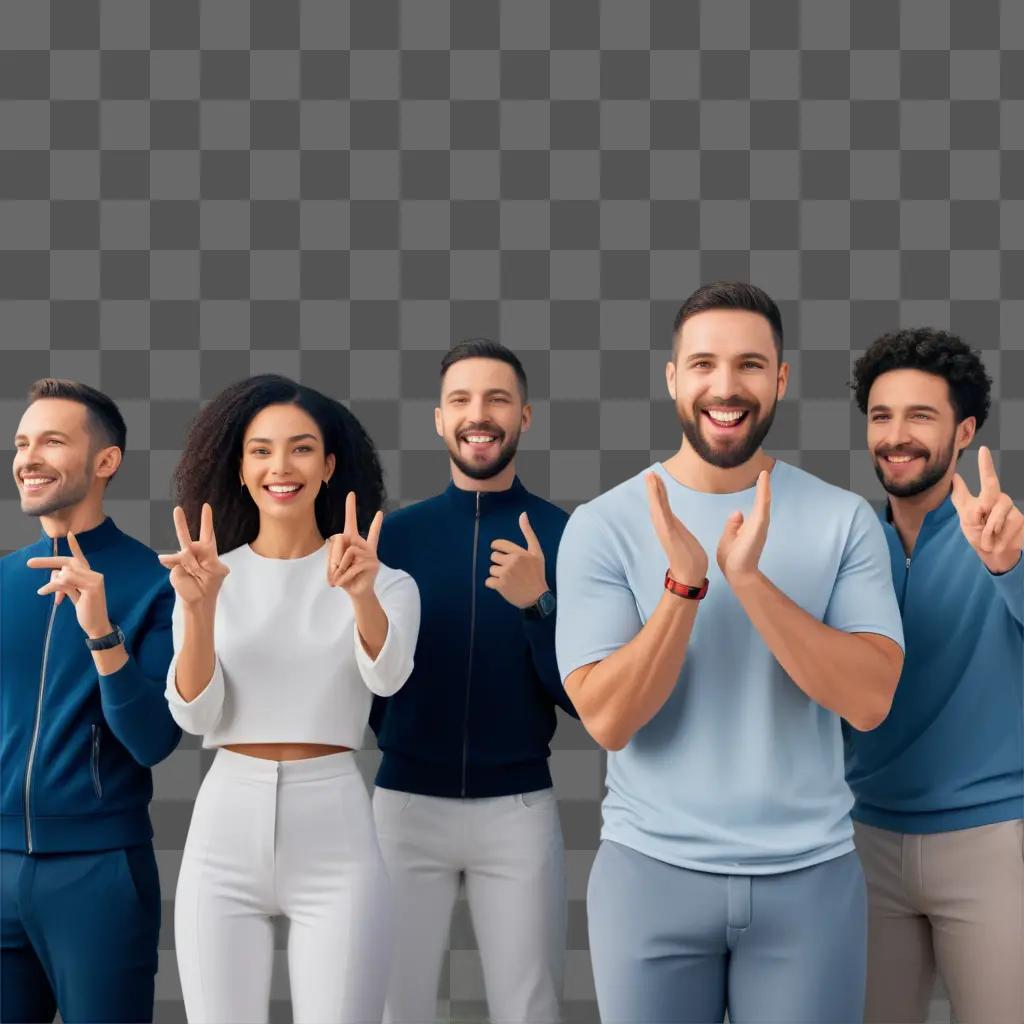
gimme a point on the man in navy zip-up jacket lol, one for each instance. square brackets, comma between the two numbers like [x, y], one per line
[464, 788]
[85, 641]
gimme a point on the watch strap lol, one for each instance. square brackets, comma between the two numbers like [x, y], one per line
[103, 643]
[684, 590]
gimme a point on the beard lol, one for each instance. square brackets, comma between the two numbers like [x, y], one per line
[934, 470]
[71, 492]
[475, 471]
[728, 456]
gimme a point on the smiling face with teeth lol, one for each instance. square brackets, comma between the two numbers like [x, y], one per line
[726, 380]
[913, 435]
[58, 464]
[283, 463]
[480, 418]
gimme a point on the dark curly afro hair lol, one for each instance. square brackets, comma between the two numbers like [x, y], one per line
[209, 465]
[932, 351]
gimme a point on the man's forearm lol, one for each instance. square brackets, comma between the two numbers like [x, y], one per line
[620, 694]
[846, 673]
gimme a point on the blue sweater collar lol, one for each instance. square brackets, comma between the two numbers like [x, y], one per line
[465, 502]
[89, 540]
[936, 517]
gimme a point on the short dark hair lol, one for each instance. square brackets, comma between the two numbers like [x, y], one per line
[104, 419]
[932, 351]
[730, 295]
[484, 348]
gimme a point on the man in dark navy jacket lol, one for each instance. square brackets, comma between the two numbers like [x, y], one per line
[464, 789]
[85, 641]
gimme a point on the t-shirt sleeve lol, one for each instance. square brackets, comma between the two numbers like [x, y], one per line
[597, 612]
[863, 599]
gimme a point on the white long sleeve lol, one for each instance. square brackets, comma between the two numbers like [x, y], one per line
[290, 667]
[201, 714]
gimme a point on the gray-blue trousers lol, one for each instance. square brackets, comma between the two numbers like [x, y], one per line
[673, 945]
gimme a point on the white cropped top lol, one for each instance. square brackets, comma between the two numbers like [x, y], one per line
[289, 666]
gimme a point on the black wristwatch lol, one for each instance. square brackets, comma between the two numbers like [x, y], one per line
[103, 643]
[541, 608]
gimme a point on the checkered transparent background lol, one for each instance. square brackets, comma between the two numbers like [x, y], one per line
[334, 189]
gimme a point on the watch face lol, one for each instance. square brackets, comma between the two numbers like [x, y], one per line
[546, 603]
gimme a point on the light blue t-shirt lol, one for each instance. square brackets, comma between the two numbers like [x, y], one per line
[740, 771]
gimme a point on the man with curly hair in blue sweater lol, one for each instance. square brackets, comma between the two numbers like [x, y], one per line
[939, 785]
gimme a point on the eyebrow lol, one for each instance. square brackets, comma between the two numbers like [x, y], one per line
[910, 408]
[714, 355]
[489, 391]
[294, 437]
[45, 433]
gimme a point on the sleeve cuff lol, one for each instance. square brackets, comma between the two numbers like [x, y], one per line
[201, 714]
[385, 674]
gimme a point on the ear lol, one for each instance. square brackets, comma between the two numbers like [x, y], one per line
[965, 431]
[783, 381]
[438, 422]
[107, 462]
[329, 463]
[670, 378]
[527, 417]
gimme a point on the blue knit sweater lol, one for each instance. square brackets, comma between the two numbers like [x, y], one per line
[951, 753]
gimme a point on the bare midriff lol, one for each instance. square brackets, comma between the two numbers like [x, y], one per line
[285, 751]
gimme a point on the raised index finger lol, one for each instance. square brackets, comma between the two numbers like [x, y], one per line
[351, 519]
[987, 473]
[206, 523]
[76, 550]
[181, 528]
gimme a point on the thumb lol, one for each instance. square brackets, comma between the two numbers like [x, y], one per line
[732, 526]
[532, 544]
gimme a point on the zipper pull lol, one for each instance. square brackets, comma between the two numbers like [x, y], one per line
[908, 563]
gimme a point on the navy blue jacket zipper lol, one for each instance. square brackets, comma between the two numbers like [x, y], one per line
[472, 632]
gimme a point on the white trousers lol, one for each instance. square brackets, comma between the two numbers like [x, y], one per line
[509, 850]
[291, 838]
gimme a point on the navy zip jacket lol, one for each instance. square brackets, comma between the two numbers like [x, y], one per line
[477, 714]
[77, 746]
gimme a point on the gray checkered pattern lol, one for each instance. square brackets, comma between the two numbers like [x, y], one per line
[333, 189]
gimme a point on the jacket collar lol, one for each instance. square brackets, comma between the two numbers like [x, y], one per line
[936, 517]
[89, 540]
[465, 502]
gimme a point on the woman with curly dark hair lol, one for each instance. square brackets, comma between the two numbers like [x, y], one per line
[285, 625]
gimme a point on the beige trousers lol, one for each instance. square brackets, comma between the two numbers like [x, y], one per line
[951, 901]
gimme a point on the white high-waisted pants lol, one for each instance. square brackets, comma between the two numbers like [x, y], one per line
[291, 838]
[509, 850]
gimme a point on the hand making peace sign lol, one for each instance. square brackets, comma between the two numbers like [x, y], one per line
[992, 524]
[352, 561]
[71, 575]
[196, 571]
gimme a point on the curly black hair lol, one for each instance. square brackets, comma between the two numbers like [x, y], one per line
[209, 466]
[932, 351]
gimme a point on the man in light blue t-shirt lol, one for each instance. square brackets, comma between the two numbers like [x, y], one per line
[726, 876]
